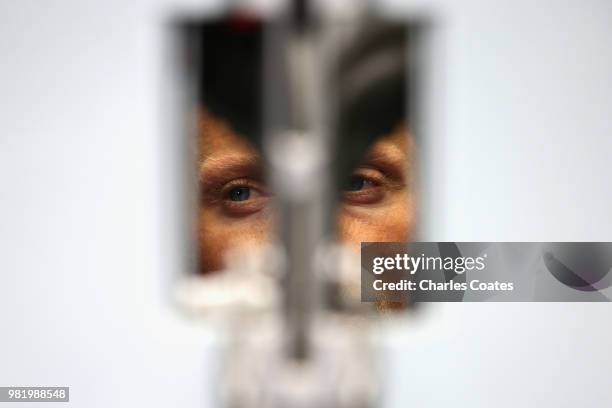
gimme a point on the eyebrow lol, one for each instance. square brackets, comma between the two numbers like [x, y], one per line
[385, 150]
[218, 169]
[389, 157]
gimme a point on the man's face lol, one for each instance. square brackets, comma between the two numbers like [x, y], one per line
[376, 205]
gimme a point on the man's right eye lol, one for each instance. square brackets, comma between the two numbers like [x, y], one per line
[244, 196]
[240, 194]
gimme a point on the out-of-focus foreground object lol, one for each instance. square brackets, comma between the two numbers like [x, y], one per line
[309, 90]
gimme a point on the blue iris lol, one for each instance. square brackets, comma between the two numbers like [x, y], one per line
[240, 194]
[355, 183]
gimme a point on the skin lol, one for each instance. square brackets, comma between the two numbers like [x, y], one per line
[236, 205]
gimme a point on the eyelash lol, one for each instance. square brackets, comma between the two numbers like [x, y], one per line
[369, 195]
[248, 206]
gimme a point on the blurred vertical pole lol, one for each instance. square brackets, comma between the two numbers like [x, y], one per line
[293, 106]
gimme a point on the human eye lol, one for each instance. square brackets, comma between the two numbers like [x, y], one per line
[364, 186]
[243, 196]
[238, 194]
[358, 183]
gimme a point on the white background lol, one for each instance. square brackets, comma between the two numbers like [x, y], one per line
[520, 150]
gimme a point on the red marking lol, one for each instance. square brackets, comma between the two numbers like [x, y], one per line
[243, 22]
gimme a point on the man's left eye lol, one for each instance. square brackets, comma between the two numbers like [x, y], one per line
[358, 183]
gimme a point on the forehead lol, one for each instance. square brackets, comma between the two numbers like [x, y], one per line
[217, 139]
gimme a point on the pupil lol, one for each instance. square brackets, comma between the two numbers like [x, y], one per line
[240, 194]
[356, 183]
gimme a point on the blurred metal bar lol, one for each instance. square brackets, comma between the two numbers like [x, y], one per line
[295, 153]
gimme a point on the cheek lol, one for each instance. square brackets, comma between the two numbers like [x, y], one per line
[392, 222]
[218, 234]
